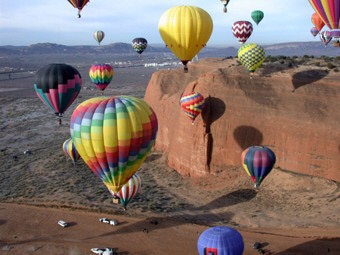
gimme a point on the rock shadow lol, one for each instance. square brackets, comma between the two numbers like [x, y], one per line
[247, 136]
[306, 77]
[329, 246]
[153, 157]
[2, 222]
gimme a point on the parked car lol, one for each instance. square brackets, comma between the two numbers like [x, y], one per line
[106, 251]
[63, 223]
[109, 221]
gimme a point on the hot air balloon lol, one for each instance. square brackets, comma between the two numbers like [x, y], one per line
[128, 191]
[317, 21]
[257, 16]
[79, 4]
[329, 12]
[99, 36]
[242, 30]
[70, 150]
[192, 104]
[251, 56]
[221, 240]
[101, 75]
[139, 44]
[314, 31]
[325, 37]
[258, 161]
[225, 3]
[58, 85]
[185, 30]
[113, 135]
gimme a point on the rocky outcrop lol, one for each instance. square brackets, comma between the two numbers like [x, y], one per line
[294, 111]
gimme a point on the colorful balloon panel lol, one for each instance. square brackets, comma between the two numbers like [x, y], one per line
[192, 104]
[221, 240]
[329, 12]
[317, 21]
[325, 37]
[257, 16]
[70, 150]
[258, 161]
[129, 190]
[242, 30]
[99, 36]
[101, 75]
[139, 45]
[251, 56]
[114, 135]
[185, 30]
[58, 85]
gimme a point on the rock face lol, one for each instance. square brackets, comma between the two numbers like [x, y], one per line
[294, 111]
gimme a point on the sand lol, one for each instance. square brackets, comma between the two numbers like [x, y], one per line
[289, 214]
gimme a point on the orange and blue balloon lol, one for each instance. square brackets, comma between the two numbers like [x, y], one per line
[192, 104]
[114, 135]
[70, 150]
[101, 75]
[258, 161]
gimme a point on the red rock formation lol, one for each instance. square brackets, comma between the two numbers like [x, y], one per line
[295, 112]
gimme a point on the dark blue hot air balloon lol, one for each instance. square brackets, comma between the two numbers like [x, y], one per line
[258, 161]
[220, 240]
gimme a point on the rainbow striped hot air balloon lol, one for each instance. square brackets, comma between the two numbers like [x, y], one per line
[114, 135]
[251, 56]
[128, 191]
[101, 75]
[329, 12]
[192, 104]
[70, 150]
[258, 161]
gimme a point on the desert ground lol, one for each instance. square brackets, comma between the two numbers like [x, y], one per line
[290, 214]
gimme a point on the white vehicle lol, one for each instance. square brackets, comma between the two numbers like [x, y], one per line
[103, 251]
[108, 221]
[63, 223]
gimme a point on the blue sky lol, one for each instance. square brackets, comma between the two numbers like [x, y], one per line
[27, 22]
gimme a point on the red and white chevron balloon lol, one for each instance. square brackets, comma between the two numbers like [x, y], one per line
[242, 30]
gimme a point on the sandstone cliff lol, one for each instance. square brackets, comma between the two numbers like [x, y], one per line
[294, 111]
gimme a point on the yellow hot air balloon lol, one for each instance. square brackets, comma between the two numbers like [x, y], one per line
[185, 30]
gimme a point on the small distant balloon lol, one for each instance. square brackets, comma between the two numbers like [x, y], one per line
[139, 44]
[314, 31]
[192, 104]
[101, 75]
[99, 36]
[257, 16]
[70, 150]
[242, 30]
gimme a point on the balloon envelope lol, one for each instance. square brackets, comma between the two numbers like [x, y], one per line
[314, 31]
[221, 240]
[101, 75]
[79, 4]
[251, 56]
[257, 16]
[329, 12]
[114, 135]
[258, 161]
[58, 85]
[70, 150]
[139, 45]
[317, 21]
[99, 36]
[242, 30]
[325, 37]
[185, 30]
[129, 190]
[192, 104]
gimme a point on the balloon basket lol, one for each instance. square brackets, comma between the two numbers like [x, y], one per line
[115, 200]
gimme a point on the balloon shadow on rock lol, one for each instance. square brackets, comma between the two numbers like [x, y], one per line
[153, 157]
[247, 136]
[306, 77]
[2, 222]
[213, 109]
[329, 246]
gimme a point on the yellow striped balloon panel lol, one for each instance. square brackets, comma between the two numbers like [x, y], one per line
[114, 135]
[70, 150]
[185, 30]
[251, 56]
[192, 104]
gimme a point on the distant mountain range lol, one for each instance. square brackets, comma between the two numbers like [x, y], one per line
[285, 49]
